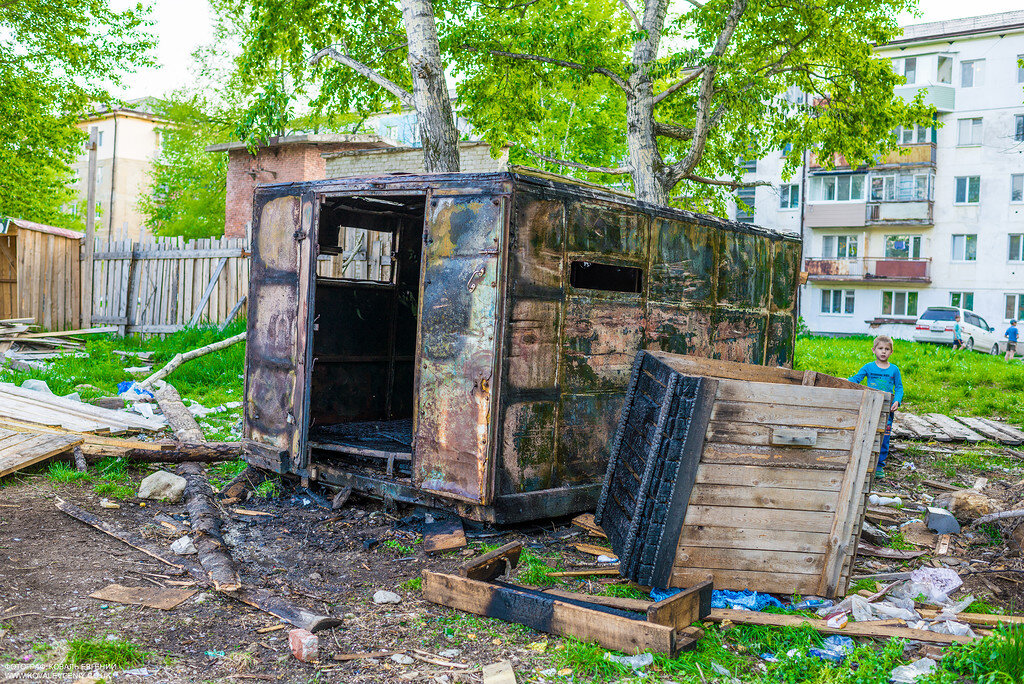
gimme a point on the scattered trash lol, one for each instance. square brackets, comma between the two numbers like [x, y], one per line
[835, 648]
[129, 389]
[893, 501]
[162, 486]
[904, 674]
[184, 546]
[304, 644]
[107, 503]
[452, 653]
[942, 521]
[741, 600]
[386, 597]
[813, 603]
[215, 654]
[637, 662]
[838, 621]
[164, 598]
[36, 386]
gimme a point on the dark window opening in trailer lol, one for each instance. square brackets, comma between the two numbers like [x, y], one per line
[590, 275]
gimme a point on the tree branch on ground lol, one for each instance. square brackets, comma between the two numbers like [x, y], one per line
[611, 75]
[618, 171]
[398, 91]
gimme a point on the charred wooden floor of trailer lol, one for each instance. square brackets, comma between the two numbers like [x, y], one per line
[381, 442]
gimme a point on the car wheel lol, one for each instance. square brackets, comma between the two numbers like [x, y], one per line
[970, 344]
[995, 350]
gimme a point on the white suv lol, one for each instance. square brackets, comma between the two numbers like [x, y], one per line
[936, 325]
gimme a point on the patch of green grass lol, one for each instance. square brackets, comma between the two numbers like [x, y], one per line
[118, 653]
[990, 660]
[959, 462]
[114, 490]
[587, 660]
[900, 543]
[984, 608]
[934, 379]
[41, 647]
[222, 473]
[534, 569]
[65, 473]
[993, 534]
[112, 470]
[625, 591]
[400, 547]
[271, 489]
[864, 585]
[413, 584]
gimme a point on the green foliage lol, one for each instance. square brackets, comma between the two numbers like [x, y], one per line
[533, 569]
[991, 660]
[899, 542]
[118, 653]
[114, 490]
[188, 184]
[266, 117]
[934, 379]
[625, 591]
[413, 584]
[400, 547]
[271, 489]
[222, 473]
[65, 473]
[587, 660]
[864, 585]
[56, 55]
[984, 608]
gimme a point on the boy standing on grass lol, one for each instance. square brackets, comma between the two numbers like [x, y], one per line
[1011, 345]
[884, 376]
[958, 335]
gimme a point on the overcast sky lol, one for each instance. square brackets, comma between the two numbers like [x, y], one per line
[183, 25]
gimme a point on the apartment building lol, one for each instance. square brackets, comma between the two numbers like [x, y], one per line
[129, 140]
[939, 223]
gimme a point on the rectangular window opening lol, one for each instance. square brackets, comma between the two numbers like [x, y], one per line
[589, 275]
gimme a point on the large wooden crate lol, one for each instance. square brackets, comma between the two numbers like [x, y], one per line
[756, 475]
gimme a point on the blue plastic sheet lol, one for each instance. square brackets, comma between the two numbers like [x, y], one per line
[739, 600]
[133, 389]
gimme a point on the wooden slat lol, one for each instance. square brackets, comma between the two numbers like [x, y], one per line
[791, 395]
[764, 476]
[853, 629]
[548, 614]
[1004, 427]
[716, 368]
[783, 415]
[753, 538]
[760, 435]
[922, 428]
[33, 450]
[958, 431]
[683, 609]
[16, 395]
[738, 580]
[722, 516]
[988, 431]
[764, 497]
[745, 559]
[774, 456]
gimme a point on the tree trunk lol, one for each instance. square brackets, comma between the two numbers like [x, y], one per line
[214, 555]
[644, 156]
[429, 89]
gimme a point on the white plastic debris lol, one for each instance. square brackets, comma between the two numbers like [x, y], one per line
[894, 501]
[36, 386]
[904, 674]
[107, 503]
[607, 559]
[184, 547]
[636, 662]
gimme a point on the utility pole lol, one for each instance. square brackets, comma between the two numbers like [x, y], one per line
[90, 228]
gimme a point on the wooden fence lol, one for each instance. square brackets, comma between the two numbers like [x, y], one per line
[165, 284]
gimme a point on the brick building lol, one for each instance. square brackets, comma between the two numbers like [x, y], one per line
[283, 159]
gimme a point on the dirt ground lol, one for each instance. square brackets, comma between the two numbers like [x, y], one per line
[50, 563]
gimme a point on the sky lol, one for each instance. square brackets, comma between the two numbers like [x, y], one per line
[183, 25]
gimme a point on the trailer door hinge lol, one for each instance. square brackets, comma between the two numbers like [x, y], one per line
[299, 235]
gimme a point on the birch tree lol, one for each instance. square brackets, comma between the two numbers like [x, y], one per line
[697, 90]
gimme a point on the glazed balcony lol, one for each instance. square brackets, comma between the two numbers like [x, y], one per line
[869, 269]
[902, 213]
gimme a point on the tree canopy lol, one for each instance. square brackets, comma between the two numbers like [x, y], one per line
[58, 58]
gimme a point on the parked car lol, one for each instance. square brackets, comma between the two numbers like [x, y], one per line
[936, 325]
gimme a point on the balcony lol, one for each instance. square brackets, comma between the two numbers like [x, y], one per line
[942, 95]
[869, 269]
[911, 154]
[835, 214]
[902, 213]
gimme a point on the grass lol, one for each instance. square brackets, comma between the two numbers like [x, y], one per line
[65, 473]
[400, 547]
[211, 380]
[117, 653]
[414, 584]
[900, 543]
[222, 473]
[934, 380]
[991, 660]
[970, 461]
[625, 591]
[534, 569]
[270, 489]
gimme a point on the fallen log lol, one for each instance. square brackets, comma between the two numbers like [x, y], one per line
[179, 452]
[188, 356]
[185, 427]
[246, 481]
[206, 535]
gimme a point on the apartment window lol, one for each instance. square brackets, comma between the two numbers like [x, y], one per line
[972, 73]
[968, 190]
[99, 175]
[745, 196]
[1020, 68]
[963, 300]
[789, 196]
[944, 74]
[1017, 187]
[839, 247]
[899, 303]
[837, 302]
[845, 188]
[1018, 127]
[748, 165]
[907, 187]
[1016, 247]
[99, 139]
[1014, 307]
[907, 68]
[902, 246]
[965, 247]
[968, 132]
[908, 135]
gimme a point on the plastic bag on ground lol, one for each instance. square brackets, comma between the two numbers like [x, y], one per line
[951, 627]
[636, 661]
[904, 674]
[132, 390]
[950, 611]
[742, 600]
[935, 583]
[835, 648]
[881, 610]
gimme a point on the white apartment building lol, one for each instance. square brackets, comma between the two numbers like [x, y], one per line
[942, 224]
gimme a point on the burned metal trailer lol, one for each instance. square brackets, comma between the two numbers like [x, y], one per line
[483, 366]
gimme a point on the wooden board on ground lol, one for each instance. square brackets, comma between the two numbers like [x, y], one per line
[1005, 427]
[21, 449]
[493, 563]
[988, 431]
[500, 672]
[593, 549]
[444, 534]
[48, 409]
[164, 598]
[586, 521]
[853, 629]
[957, 431]
[610, 628]
[920, 428]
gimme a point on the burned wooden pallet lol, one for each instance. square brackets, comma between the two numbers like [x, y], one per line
[769, 474]
[630, 626]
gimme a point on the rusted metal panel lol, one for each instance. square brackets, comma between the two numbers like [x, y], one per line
[585, 432]
[781, 338]
[739, 336]
[536, 247]
[600, 228]
[744, 270]
[680, 330]
[682, 262]
[529, 458]
[459, 309]
[533, 345]
[276, 381]
[601, 337]
[785, 275]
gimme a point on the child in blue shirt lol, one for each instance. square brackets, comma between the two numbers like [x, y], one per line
[884, 376]
[1011, 344]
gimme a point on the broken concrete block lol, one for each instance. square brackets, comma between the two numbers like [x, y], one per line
[386, 597]
[942, 521]
[162, 486]
[966, 505]
[304, 644]
[402, 659]
[184, 547]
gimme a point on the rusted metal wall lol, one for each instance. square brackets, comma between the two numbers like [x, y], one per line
[709, 288]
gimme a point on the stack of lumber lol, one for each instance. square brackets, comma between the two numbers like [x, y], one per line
[21, 340]
[942, 428]
[21, 449]
[42, 409]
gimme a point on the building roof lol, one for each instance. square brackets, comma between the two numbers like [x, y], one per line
[22, 224]
[141, 108]
[361, 140]
[968, 26]
[393, 149]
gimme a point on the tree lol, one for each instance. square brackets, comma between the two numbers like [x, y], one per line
[57, 58]
[698, 91]
[380, 56]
